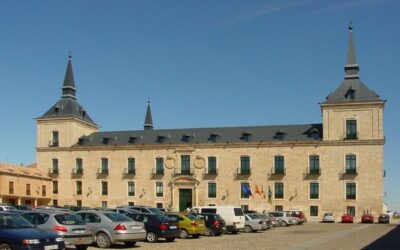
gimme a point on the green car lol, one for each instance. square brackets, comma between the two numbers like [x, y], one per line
[189, 224]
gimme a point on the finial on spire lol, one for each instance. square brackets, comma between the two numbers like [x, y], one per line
[69, 55]
[350, 26]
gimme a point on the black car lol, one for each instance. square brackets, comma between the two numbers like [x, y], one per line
[384, 218]
[18, 234]
[157, 226]
[214, 223]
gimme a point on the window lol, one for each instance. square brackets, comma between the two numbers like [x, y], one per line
[43, 190]
[351, 164]
[280, 136]
[132, 140]
[245, 191]
[55, 202]
[79, 165]
[278, 208]
[103, 204]
[159, 189]
[11, 187]
[244, 165]
[161, 139]
[131, 188]
[131, 165]
[350, 191]
[246, 136]
[351, 210]
[104, 188]
[106, 141]
[79, 203]
[55, 187]
[54, 141]
[351, 129]
[314, 190]
[104, 165]
[54, 167]
[131, 203]
[185, 138]
[28, 189]
[279, 190]
[79, 187]
[212, 190]
[279, 166]
[159, 205]
[185, 164]
[214, 137]
[159, 165]
[245, 207]
[212, 165]
[314, 164]
[313, 210]
[351, 94]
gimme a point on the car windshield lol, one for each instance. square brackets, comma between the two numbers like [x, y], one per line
[328, 214]
[163, 217]
[13, 221]
[190, 216]
[69, 219]
[253, 216]
[155, 211]
[117, 217]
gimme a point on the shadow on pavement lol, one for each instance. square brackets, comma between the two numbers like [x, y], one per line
[388, 241]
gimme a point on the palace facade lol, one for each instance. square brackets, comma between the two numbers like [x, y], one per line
[335, 166]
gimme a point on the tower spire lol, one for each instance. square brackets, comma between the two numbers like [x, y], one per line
[68, 89]
[351, 68]
[148, 121]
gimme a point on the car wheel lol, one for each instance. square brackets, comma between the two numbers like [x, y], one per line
[248, 229]
[81, 247]
[151, 237]
[284, 223]
[130, 243]
[171, 239]
[5, 247]
[184, 234]
[208, 232]
[102, 240]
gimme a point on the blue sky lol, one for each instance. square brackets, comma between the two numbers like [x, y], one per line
[201, 63]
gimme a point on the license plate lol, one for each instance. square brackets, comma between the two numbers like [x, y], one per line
[135, 227]
[51, 247]
[79, 231]
[172, 227]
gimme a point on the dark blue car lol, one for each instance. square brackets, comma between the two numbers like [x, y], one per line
[17, 233]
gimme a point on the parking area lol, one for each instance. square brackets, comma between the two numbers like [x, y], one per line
[307, 236]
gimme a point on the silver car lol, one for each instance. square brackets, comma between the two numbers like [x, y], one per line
[284, 218]
[328, 217]
[111, 227]
[254, 223]
[67, 225]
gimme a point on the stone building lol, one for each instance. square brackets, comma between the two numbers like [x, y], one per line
[334, 166]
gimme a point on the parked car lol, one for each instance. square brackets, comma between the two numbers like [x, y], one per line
[328, 217]
[68, 226]
[347, 218]
[23, 207]
[144, 209]
[367, 218]
[299, 215]
[158, 226]
[284, 219]
[268, 220]
[272, 220]
[18, 233]
[254, 223]
[189, 224]
[111, 227]
[215, 225]
[233, 216]
[384, 218]
[7, 208]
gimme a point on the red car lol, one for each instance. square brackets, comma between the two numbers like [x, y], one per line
[347, 218]
[367, 218]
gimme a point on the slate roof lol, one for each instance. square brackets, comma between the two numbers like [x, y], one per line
[352, 82]
[67, 105]
[204, 135]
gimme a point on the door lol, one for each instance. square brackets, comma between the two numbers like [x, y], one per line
[185, 199]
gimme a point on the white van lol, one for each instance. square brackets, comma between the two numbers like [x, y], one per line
[233, 216]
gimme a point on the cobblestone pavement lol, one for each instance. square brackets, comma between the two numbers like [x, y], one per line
[308, 236]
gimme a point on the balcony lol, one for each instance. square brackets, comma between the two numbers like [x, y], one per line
[351, 171]
[211, 171]
[278, 171]
[77, 172]
[157, 172]
[179, 171]
[53, 144]
[129, 171]
[351, 136]
[102, 172]
[53, 172]
[314, 171]
[243, 171]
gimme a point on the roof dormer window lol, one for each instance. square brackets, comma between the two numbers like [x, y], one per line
[161, 139]
[350, 94]
[246, 136]
[280, 135]
[81, 141]
[314, 134]
[106, 140]
[132, 140]
[186, 138]
[214, 137]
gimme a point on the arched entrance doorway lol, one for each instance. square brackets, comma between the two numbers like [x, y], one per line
[184, 192]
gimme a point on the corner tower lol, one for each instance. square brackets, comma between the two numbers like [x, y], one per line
[352, 111]
[66, 120]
